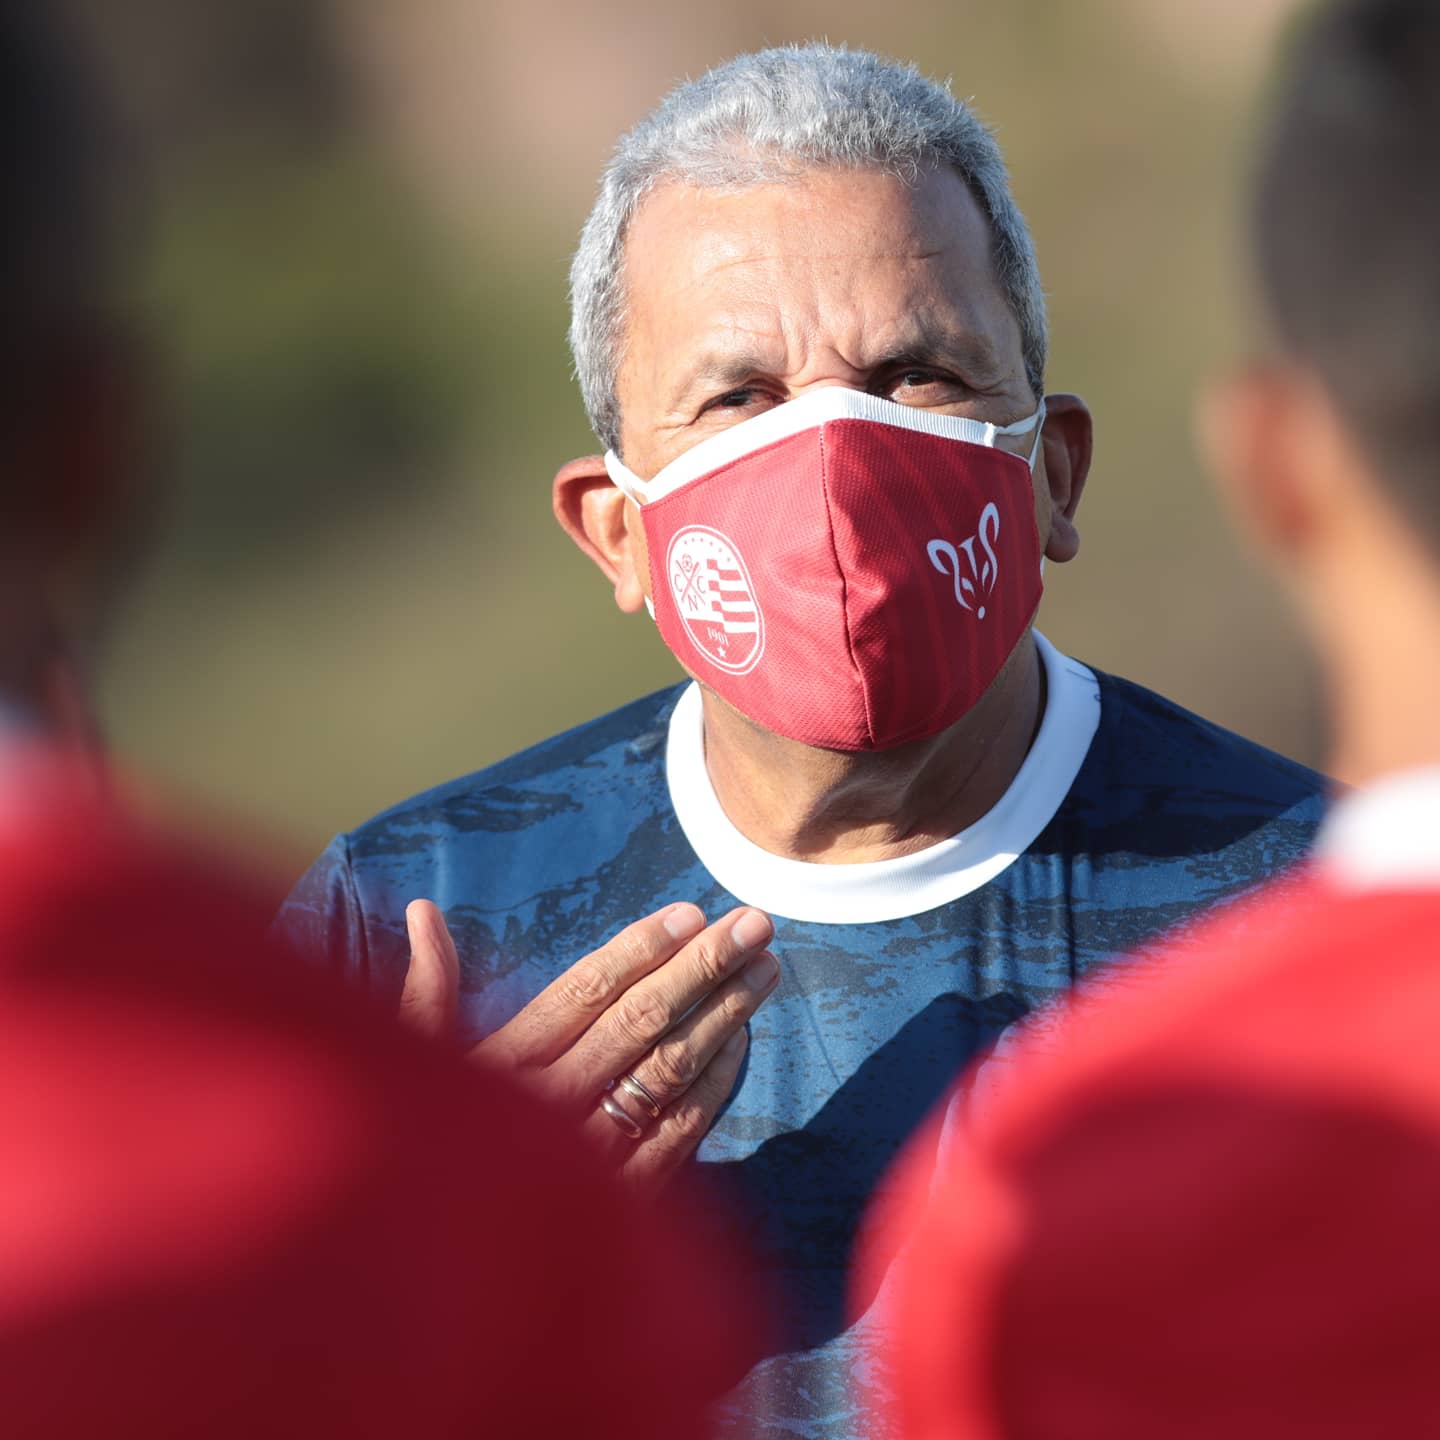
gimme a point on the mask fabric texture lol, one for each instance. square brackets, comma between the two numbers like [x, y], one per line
[846, 571]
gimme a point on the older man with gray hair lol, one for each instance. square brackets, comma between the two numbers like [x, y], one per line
[810, 333]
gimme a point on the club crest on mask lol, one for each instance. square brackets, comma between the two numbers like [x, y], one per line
[980, 581]
[715, 598]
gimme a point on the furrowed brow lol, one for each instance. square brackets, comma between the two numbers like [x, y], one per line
[971, 355]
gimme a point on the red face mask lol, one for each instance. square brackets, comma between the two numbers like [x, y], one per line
[848, 572]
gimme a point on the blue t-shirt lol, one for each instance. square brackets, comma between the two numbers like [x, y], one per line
[1128, 816]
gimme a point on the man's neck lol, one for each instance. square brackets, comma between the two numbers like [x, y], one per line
[1385, 701]
[832, 807]
[1376, 615]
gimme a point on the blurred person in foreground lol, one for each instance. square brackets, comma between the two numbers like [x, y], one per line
[809, 328]
[231, 1201]
[238, 1201]
[1206, 1207]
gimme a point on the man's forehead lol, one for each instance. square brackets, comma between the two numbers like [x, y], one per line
[731, 283]
[815, 219]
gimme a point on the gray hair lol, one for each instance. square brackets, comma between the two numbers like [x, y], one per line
[765, 117]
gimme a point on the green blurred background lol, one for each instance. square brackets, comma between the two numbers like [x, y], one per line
[362, 213]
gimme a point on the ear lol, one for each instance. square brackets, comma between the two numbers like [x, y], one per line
[1067, 444]
[1261, 432]
[605, 525]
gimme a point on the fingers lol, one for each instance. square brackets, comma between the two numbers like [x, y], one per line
[682, 1056]
[571, 1003]
[431, 995]
[686, 1122]
[650, 1008]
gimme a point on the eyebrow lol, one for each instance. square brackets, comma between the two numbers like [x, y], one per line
[718, 371]
[921, 342]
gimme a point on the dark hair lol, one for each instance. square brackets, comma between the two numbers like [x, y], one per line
[1347, 229]
[65, 209]
[58, 217]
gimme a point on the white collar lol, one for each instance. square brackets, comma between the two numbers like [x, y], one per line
[1385, 835]
[912, 884]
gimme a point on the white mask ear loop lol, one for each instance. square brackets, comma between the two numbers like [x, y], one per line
[1035, 422]
[625, 480]
[1039, 435]
[1034, 456]
[1020, 427]
[633, 488]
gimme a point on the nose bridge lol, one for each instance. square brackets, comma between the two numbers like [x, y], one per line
[838, 376]
[831, 338]
[861, 534]
[825, 324]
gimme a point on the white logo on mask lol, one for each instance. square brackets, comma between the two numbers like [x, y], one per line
[715, 598]
[971, 587]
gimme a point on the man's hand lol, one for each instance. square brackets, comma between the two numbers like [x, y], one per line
[665, 1003]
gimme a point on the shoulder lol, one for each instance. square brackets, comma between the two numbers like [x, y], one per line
[1178, 812]
[557, 778]
[1160, 745]
[515, 836]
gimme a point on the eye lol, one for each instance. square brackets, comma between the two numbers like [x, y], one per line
[916, 385]
[742, 398]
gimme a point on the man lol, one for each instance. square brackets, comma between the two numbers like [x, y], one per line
[230, 1204]
[809, 329]
[1207, 1207]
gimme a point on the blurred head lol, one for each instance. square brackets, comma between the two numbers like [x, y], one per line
[1329, 446]
[236, 1201]
[800, 218]
[72, 486]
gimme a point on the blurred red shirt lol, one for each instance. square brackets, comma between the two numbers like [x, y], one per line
[1204, 1204]
[236, 1201]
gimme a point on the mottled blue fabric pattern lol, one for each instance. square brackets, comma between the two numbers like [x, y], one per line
[541, 858]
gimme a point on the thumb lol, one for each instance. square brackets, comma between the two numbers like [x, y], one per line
[431, 996]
